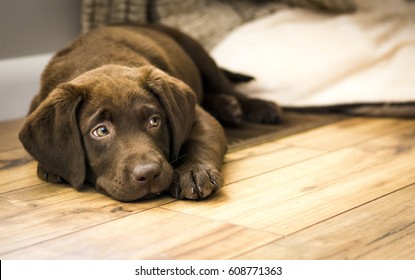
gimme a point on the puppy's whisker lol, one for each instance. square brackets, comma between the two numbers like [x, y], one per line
[177, 159]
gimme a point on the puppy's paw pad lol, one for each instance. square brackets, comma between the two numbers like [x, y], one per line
[195, 181]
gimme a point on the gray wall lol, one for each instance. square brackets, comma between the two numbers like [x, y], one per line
[29, 27]
[30, 32]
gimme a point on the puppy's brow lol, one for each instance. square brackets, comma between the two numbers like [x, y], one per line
[93, 119]
[148, 108]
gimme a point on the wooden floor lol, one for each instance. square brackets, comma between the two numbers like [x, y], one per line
[345, 190]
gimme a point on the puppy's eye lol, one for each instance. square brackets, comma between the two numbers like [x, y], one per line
[154, 121]
[101, 131]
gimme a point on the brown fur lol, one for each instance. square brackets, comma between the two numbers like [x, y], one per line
[119, 109]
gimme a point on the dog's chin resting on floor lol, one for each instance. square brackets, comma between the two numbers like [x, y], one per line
[121, 109]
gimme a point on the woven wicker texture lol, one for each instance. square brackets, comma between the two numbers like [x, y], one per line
[208, 21]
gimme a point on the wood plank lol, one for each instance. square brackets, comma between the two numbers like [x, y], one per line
[152, 234]
[25, 200]
[295, 197]
[17, 170]
[8, 139]
[381, 229]
[258, 160]
[33, 217]
[255, 150]
[346, 133]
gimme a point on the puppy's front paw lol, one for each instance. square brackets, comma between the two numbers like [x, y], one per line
[195, 181]
[48, 176]
[261, 111]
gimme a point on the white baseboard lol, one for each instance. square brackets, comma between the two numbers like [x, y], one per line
[19, 82]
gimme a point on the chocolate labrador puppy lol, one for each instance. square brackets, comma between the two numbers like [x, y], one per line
[119, 109]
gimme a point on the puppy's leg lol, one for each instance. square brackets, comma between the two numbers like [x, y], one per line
[230, 109]
[259, 110]
[48, 176]
[224, 107]
[218, 81]
[197, 171]
[216, 84]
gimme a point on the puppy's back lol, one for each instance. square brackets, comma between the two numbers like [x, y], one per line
[132, 46]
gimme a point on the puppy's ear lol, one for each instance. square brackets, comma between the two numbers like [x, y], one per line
[178, 101]
[52, 136]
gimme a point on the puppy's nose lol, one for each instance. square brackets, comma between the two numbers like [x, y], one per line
[146, 173]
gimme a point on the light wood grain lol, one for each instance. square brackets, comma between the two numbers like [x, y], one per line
[48, 211]
[380, 229]
[346, 133]
[292, 198]
[153, 234]
[341, 191]
[9, 131]
[256, 162]
[16, 166]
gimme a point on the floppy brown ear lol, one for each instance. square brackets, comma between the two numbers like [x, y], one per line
[178, 101]
[52, 136]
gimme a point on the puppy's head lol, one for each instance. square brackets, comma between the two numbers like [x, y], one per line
[116, 127]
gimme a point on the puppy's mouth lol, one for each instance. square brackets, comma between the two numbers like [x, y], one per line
[150, 196]
[129, 191]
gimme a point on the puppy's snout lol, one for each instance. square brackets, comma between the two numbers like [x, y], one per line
[146, 174]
